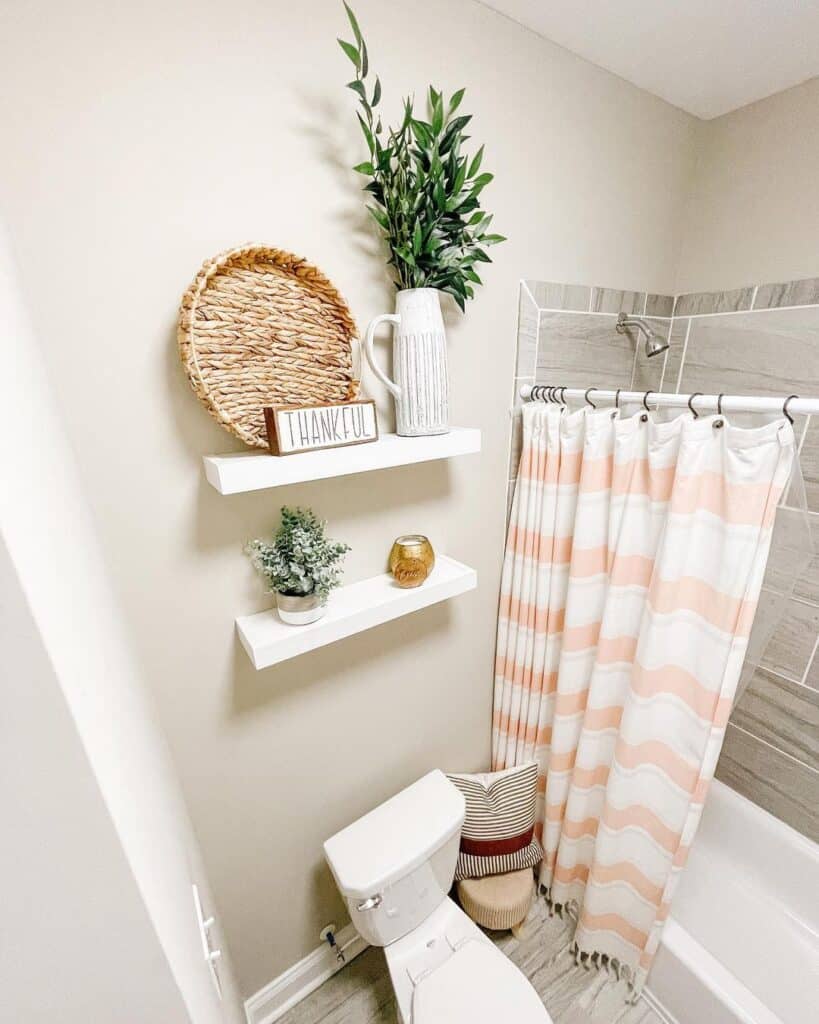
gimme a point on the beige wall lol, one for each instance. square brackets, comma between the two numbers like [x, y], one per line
[100, 839]
[752, 214]
[147, 137]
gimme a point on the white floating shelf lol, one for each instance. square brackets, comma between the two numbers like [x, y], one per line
[233, 474]
[351, 609]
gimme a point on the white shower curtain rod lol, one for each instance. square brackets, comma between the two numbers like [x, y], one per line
[699, 402]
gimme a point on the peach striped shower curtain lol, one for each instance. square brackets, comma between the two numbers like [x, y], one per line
[633, 566]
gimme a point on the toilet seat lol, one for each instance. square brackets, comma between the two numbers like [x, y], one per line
[477, 984]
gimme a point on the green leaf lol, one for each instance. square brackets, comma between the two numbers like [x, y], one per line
[379, 217]
[492, 239]
[368, 135]
[481, 181]
[405, 254]
[437, 114]
[365, 168]
[417, 238]
[457, 124]
[351, 52]
[358, 87]
[365, 60]
[455, 102]
[353, 21]
[376, 92]
[476, 163]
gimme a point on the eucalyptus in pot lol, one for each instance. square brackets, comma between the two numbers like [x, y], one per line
[424, 193]
[301, 566]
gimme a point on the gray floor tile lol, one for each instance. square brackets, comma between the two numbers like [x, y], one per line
[361, 993]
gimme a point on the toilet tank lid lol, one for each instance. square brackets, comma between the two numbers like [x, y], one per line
[392, 840]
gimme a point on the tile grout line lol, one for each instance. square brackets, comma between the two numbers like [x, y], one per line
[765, 743]
[753, 298]
[683, 316]
[806, 673]
[678, 385]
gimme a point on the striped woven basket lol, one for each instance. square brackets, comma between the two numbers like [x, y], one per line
[259, 327]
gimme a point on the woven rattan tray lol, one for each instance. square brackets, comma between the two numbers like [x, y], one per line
[262, 327]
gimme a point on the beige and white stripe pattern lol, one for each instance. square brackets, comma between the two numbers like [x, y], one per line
[633, 566]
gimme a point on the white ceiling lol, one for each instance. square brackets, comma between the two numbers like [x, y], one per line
[706, 56]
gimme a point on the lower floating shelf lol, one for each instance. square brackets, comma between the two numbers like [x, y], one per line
[351, 609]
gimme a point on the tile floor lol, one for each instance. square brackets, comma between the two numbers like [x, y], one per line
[361, 993]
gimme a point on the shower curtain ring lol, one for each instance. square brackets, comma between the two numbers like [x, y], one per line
[691, 398]
[617, 398]
[645, 401]
[588, 400]
[563, 394]
[719, 404]
[785, 407]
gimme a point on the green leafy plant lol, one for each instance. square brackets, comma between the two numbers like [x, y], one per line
[425, 190]
[302, 559]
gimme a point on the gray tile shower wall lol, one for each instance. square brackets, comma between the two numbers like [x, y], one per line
[754, 340]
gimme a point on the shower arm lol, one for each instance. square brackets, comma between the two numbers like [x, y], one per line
[624, 321]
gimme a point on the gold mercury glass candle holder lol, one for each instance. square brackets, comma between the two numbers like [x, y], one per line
[411, 560]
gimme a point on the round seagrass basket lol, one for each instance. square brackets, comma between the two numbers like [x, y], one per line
[260, 327]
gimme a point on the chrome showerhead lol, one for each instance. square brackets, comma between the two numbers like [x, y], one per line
[654, 344]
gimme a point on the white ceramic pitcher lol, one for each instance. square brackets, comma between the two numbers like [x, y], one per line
[421, 385]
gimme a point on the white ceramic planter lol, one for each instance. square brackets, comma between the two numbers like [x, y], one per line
[300, 611]
[421, 385]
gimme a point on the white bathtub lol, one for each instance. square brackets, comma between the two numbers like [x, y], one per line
[742, 942]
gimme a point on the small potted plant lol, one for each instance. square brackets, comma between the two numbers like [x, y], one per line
[301, 566]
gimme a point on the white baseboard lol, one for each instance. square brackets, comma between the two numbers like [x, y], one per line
[304, 977]
[655, 1004]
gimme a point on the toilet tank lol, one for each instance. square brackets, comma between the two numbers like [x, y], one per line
[395, 865]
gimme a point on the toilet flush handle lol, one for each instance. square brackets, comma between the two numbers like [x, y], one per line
[371, 902]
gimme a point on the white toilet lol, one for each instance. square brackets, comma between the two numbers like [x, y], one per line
[394, 868]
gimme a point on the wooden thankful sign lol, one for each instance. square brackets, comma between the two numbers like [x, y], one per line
[309, 428]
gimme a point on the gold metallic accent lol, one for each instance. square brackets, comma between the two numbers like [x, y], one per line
[411, 560]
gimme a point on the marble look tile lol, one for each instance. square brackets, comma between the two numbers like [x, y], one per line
[793, 562]
[809, 460]
[527, 334]
[697, 303]
[659, 305]
[609, 300]
[791, 645]
[807, 584]
[784, 787]
[754, 353]
[812, 678]
[791, 293]
[783, 713]
[583, 351]
[549, 295]
[676, 352]
[361, 993]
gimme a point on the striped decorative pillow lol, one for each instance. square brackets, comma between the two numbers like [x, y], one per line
[498, 831]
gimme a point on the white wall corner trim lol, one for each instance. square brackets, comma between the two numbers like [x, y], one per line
[655, 1004]
[297, 982]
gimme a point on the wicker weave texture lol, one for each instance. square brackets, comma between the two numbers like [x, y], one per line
[259, 327]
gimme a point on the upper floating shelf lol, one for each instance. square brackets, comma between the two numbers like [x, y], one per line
[234, 474]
